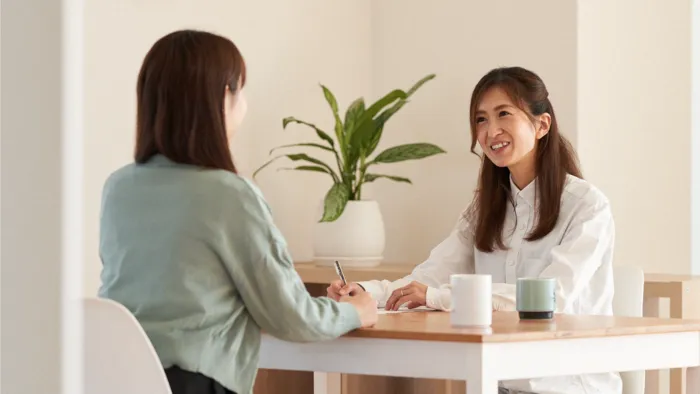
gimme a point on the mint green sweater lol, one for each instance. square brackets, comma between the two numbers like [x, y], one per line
[195, 256]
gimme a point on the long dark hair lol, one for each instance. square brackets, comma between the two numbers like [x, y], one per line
[555, 158]
[180, 99]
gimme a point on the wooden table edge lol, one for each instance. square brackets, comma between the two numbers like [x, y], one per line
[508, 328]
[509, 338]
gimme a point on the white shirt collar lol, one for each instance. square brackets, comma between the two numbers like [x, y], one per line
[527, 194]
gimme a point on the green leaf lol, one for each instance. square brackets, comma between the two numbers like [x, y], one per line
[361, 137]
[372, 177]
[335, 202]
[407, 152]
[303, 144]
[330, 98]
[305, 157]
[385, 115]
[420, 83]
[321, 134]
[389, 98]
[353, 114]
[367, 117]
[374, 139]
[298, 157]
[305, 168]
[267, 163]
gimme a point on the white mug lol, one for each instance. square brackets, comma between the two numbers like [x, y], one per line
[471, 300]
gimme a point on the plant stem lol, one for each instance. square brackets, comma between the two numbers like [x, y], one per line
[342, 171]
[340, 166]
[360, 179]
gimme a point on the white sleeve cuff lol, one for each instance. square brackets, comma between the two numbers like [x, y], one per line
[439, 299]
[503, 298]
[376, 290]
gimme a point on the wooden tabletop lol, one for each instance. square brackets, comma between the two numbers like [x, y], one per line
[312, 273]
[506, 327]
[669, 278]
[674, 287]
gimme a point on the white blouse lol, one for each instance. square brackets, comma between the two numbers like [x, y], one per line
[578, 252]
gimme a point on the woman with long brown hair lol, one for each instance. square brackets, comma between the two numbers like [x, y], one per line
[188, 245]
[532, 215]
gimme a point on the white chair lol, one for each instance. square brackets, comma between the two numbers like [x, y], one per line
[118, 358]
[628, 301]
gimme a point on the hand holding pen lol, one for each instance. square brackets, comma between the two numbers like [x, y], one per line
[354, 294]
[340, 288]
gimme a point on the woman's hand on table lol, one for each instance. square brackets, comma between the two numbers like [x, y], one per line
[413, 293]
[337, 289]
[366, 307]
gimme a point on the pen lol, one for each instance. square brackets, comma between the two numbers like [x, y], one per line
[339, 271]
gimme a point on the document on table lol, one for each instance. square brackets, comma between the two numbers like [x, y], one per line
[382, 311]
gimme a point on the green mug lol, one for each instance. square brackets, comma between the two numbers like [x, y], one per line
[535, 298]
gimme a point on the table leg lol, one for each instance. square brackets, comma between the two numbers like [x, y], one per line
[684, 304]
[482, 386]
[693, 380]
[327, 383]
[651, 377]
[677, 375]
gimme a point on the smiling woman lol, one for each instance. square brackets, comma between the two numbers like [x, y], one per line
[532, 216]
[513, 121]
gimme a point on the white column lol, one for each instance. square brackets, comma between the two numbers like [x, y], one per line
[40, 201]
[695, 138]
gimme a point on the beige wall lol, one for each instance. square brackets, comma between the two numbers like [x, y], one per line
[634, 124]
[290, 47]
[355, 48]
[613, 100]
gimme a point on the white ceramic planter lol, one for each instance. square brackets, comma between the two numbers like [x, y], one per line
[355, 239]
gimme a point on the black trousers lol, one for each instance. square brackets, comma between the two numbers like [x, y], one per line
[186, 382]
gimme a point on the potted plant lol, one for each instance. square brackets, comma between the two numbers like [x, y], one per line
[351, 229]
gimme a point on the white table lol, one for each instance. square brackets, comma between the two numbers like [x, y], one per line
[424, 345]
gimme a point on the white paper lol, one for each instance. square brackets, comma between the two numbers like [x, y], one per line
[382, 311]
